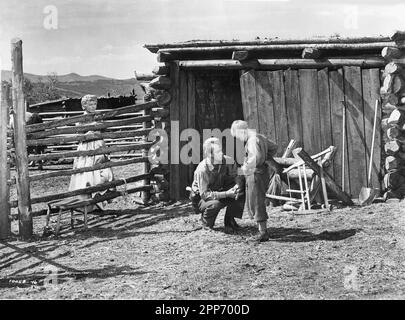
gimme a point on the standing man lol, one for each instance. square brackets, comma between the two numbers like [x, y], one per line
[258, 149]
[217, 185]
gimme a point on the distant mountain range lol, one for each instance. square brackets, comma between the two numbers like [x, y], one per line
[70, 77]
[73, 85]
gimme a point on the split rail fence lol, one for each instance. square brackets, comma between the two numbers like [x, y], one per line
[65, 108]
[62, 131]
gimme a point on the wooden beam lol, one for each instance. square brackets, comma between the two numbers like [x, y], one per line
[90, 127]
[191, 118]
[392, 147]
[23, 186]
[311, 134]
[240, 55]
[356, 149]
[390, 53]
[392, 163]
[311, 53]
[107, 196]
[398, 84]
[395, 133]
[275, 197]
[160, 83]
[325, 125]
[163, 56]
[370, 87]
[336, 94]
[309, 41]
[91, 117]
[396, 117]
[293, 105]
[400, 44]
[98, 166]
[144, 76]
[393, 180]
[174, 52]
[277, 91]
[5, 230]
[387, 85]
[145, 166]
[392, 68]
[102, 150]
[277, 64]
[297, 162]
[196, 53]
[331, 184]
[87, 137]
[183, 124]
[174, 150]
[161, 69]
[88, 190]
[398, 35]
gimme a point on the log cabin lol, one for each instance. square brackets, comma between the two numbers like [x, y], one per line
[293, 89]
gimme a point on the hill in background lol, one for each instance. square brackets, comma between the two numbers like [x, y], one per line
[73, 85]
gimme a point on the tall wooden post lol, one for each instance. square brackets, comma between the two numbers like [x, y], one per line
[4, 165]
[146, 165]
[23, 186]
[145, 195]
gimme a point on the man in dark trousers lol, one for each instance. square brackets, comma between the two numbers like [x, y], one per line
[258, 150]
[217, 185]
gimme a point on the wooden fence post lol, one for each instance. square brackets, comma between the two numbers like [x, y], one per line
[145, 195]
[23, 186]
[4, 165]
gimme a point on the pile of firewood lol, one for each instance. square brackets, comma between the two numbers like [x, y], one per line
[393, 122]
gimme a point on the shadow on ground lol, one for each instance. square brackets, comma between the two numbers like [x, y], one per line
[298, 234]
[105, 226]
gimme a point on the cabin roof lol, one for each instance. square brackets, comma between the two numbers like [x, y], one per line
[278, 53]
[315, 51]
[154, 48]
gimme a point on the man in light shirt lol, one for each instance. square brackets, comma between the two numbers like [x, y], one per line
[217, 185]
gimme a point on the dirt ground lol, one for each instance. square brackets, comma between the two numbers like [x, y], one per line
[161, 252]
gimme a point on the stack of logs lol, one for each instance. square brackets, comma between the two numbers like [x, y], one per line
[393, 122]
[157, 88]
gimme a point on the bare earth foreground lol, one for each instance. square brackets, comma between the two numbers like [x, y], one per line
[163, 253]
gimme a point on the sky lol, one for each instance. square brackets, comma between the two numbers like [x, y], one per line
[106, 37]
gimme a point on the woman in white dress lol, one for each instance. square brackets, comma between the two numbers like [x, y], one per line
[91, 178]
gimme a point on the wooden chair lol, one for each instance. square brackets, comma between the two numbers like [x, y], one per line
[66, 205]
[307, 194]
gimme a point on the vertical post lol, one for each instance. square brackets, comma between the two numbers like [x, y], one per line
[174, 143]
[23, 186]
[4, 165]
[145, 165]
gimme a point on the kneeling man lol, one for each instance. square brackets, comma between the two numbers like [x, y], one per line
[217, 185]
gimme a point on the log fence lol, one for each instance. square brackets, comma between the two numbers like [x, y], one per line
[124, 129]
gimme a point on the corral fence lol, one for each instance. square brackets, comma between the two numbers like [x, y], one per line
[65, 108]
[134, 121]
